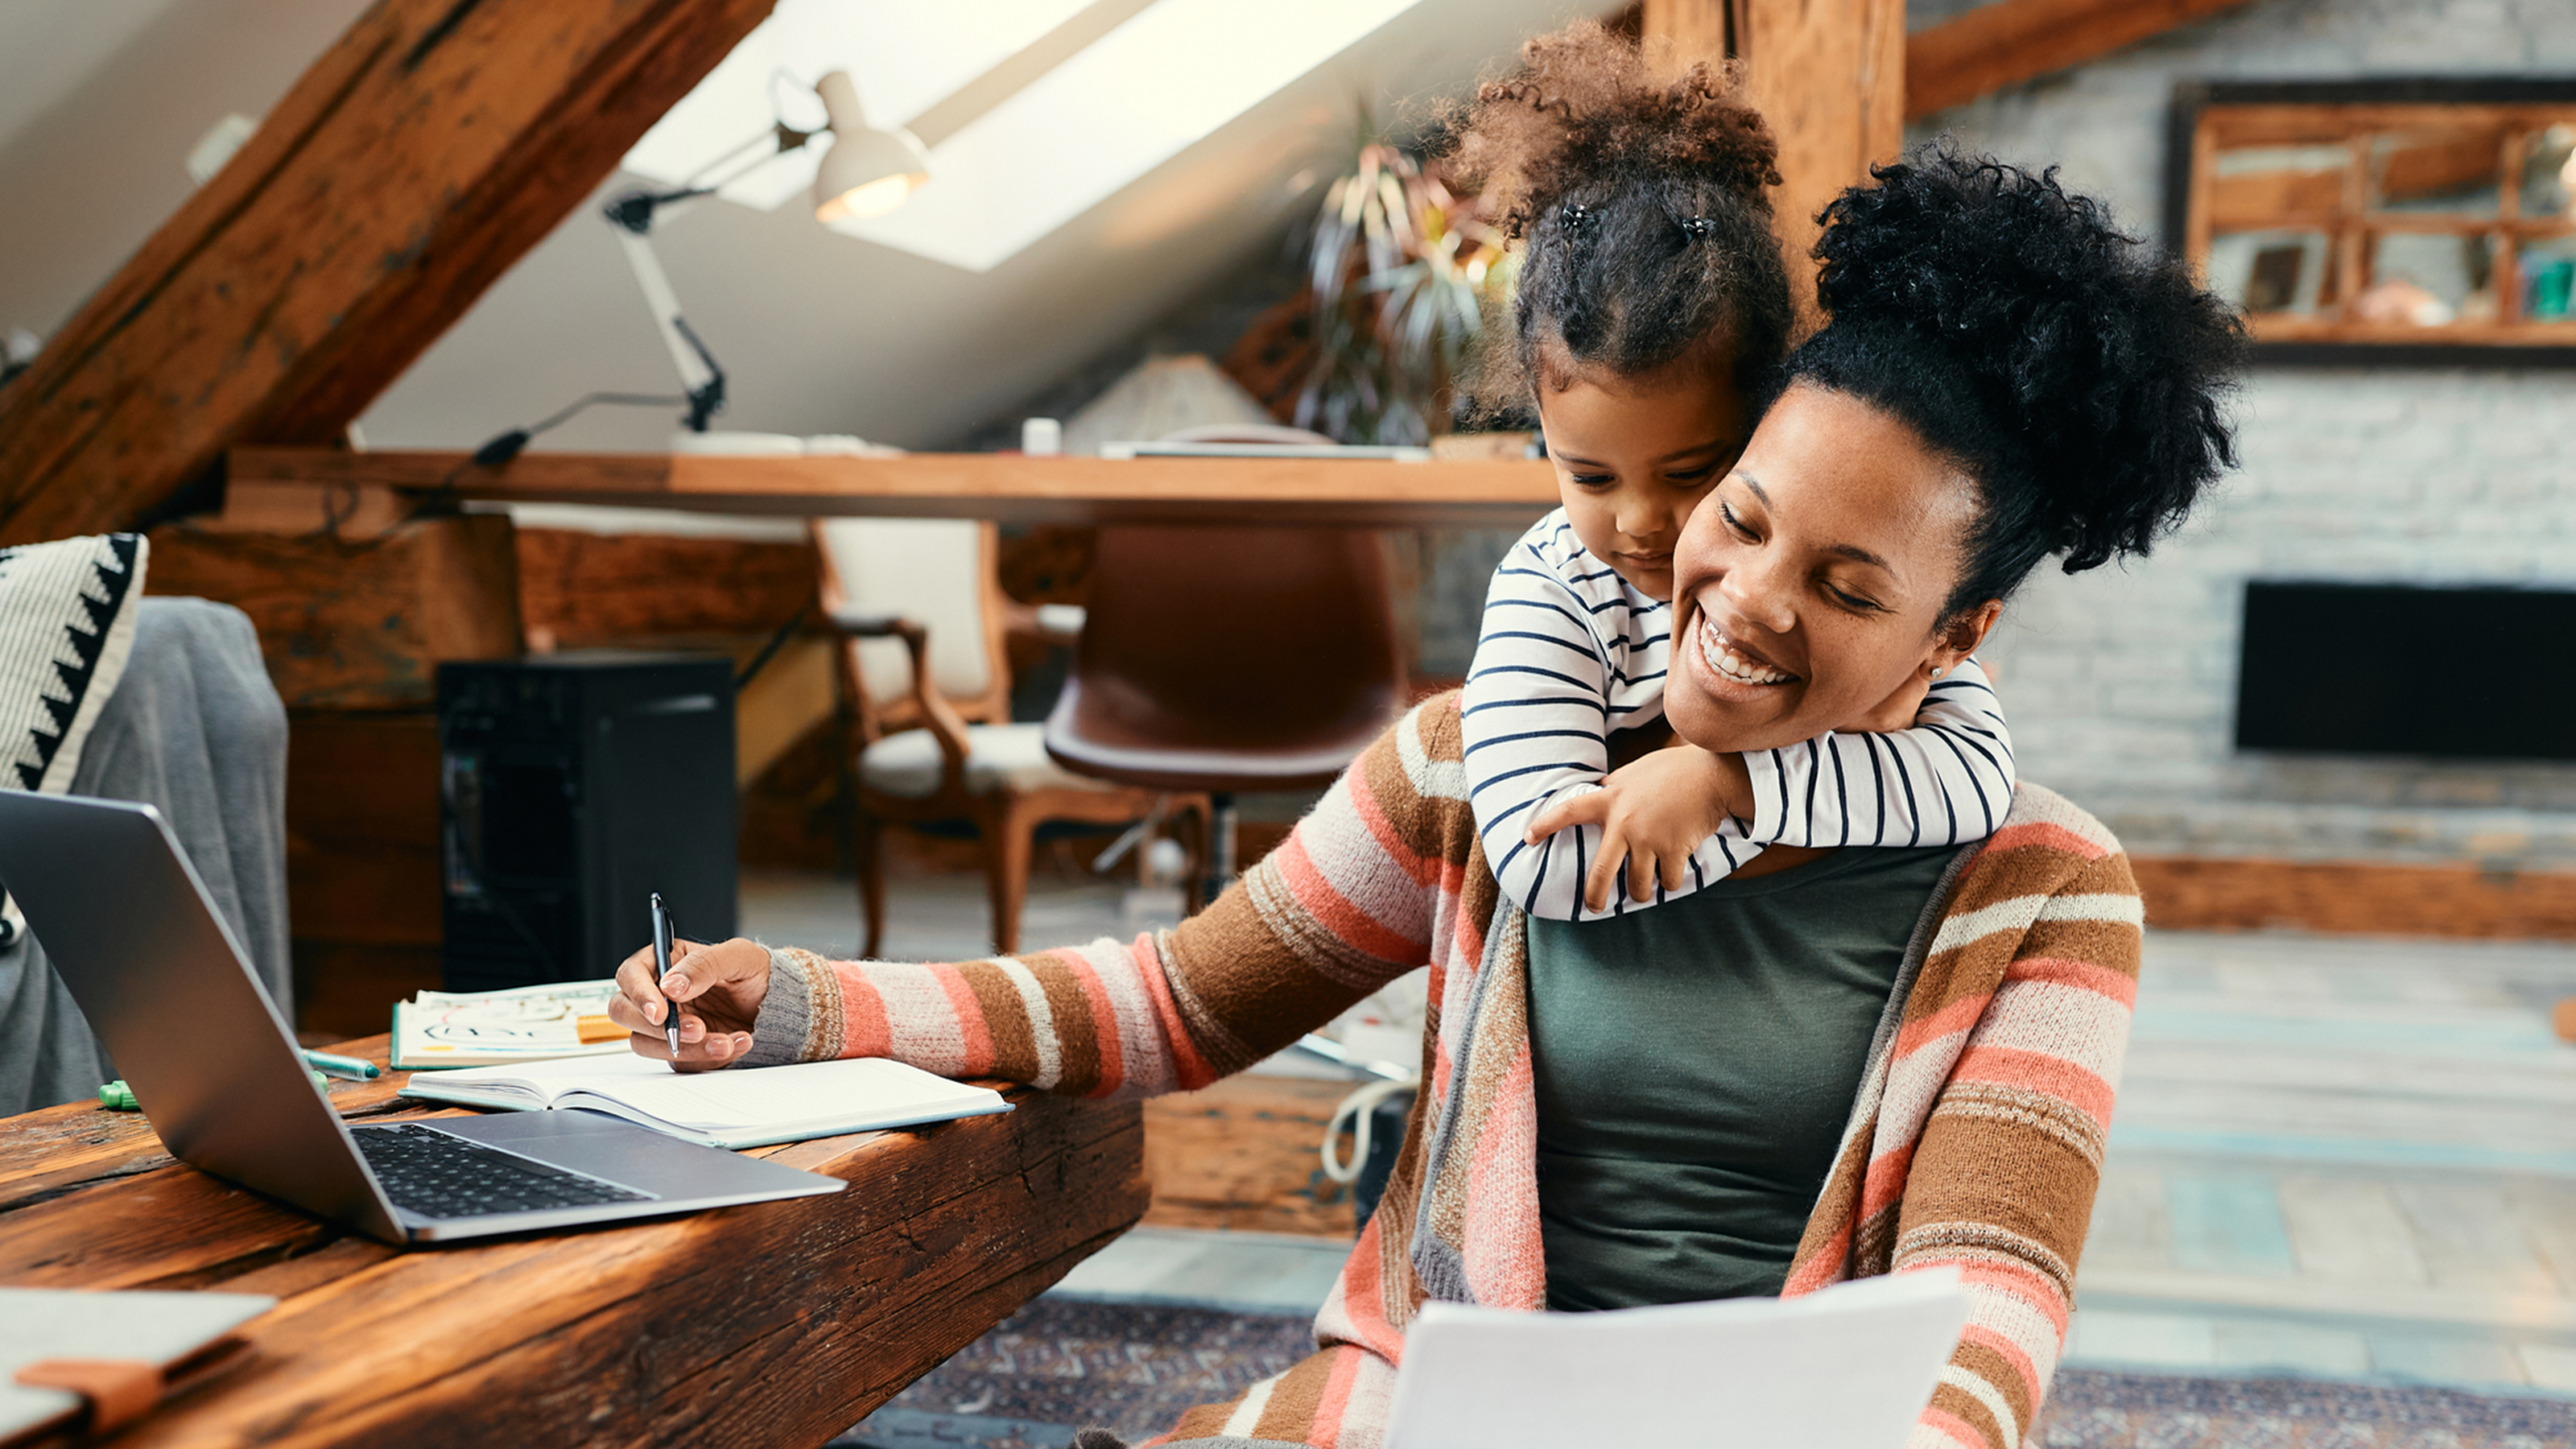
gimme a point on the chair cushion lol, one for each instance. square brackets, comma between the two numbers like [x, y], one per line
[929, 570]
[1010, 757]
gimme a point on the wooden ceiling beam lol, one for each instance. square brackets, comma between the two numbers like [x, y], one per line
[1696, 29]
[2011, 41]
[1830, 77]
[415, 161]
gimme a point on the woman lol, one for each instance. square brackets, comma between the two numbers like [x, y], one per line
[1850, 1063]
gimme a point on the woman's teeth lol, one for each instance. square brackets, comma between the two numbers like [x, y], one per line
[1722, 657]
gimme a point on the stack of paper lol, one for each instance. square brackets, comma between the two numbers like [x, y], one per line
[1847, 1368]
[438, 1029]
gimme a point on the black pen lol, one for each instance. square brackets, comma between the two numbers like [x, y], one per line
[661, 969]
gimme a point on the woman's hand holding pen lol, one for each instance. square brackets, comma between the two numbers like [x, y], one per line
[719, 989]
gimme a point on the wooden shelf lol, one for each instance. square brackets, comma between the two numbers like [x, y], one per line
[2382, 147]
[1005, 487]
[2325, 123]
[2271, 327]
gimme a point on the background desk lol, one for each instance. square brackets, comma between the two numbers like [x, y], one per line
[773, 1324]
[356, 609]
[1484, 493]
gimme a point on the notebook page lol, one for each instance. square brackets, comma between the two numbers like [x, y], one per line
[855, 1092]
[554, 1077]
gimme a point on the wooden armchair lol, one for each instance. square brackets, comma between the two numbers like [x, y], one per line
[926, 710]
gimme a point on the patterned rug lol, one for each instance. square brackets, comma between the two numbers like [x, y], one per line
[1060, 1364]
[2089, 1409]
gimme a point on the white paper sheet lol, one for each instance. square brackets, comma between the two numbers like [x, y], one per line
[1850, 1367]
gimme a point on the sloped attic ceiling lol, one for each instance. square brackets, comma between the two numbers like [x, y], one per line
[821, 332]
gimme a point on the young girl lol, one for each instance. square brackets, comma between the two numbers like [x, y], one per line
[1651, 306]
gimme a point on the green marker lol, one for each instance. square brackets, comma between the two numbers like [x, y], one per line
[356, 1069]
[117, 1097]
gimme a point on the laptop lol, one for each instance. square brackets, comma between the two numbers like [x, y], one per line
[128, 925]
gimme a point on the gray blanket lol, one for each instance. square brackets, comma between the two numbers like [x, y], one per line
[196, 729]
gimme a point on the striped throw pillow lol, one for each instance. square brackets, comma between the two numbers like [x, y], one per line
[66, 625]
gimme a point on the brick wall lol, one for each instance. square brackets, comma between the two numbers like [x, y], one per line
[2120, 683]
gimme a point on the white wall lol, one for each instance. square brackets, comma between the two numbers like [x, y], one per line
[100, 102]
[2120, 683]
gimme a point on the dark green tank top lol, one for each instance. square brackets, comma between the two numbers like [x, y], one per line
[1696, 1063]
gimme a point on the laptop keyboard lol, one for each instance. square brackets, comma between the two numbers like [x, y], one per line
[438, 1175]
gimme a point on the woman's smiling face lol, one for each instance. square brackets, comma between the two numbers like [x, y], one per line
[1808, 588]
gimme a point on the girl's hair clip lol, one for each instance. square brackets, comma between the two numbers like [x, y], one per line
[1575, 215]
[1698, 228]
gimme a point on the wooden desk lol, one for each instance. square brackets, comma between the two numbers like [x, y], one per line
[1507, 493]
[774, 1324]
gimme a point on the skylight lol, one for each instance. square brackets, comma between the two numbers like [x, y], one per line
[1138, 97]
[904, 55]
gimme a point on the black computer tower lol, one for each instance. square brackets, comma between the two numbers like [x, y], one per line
[572, 787]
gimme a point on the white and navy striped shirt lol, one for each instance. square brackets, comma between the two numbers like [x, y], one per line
[1571, 653]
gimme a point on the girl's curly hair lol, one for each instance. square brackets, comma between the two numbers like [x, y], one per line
[1639, 202]
[2076, 375]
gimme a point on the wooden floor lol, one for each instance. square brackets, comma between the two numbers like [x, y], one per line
[2345, 1157]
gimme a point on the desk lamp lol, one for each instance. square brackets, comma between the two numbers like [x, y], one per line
[869, 171]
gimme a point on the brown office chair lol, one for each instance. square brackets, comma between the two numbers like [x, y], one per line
[925, 691]
[1225, 659]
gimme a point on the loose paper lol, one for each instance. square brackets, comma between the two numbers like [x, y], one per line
[1850, 1367]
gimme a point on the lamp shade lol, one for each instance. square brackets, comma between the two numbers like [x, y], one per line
[868, 171]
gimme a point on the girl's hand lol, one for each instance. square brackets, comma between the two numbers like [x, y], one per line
[1653, 814]
[721, 987]
[1895, 714]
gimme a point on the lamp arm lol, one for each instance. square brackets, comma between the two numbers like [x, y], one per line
[707, 398]
[700, 375]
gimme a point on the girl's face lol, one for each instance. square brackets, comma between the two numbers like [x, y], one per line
[1634, 456]
[1810, 585]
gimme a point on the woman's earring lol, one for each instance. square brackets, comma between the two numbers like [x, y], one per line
[1938, 671]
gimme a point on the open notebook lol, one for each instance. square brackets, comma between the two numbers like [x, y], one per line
[744, 1107]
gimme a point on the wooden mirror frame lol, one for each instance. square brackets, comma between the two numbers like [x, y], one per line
[2189, 139]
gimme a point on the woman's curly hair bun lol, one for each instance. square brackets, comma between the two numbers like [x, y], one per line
[2079, 375]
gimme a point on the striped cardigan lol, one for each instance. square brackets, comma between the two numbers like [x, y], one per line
[1976, 1139]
